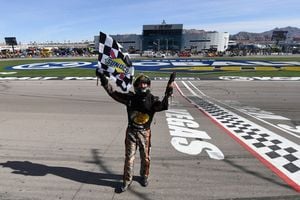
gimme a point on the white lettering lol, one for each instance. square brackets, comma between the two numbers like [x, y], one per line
[150, 64]
[235, 78]
[289, 128]
[177, 64]
[262, 78]
[182, 122]
[180, 116]
[212, 151]
[261, 113]
[195, 147]
[49, 78]
[229, 63]
[183, 146]
[239, 78]
[182, 127]
[267, 115]
[187, 132]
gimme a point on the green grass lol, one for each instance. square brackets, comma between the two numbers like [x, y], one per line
[46, 72]
[54, 72]
[81, 72]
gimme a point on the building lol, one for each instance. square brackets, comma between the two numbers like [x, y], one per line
[162, 37]
[130, 42]
[171, 37]
[194, 40]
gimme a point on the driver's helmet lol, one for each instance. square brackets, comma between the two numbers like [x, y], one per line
[139, 87]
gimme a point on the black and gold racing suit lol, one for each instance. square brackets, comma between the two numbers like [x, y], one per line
[140, 110]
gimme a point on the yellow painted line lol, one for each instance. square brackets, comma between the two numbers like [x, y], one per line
[291, 68]
[266, 68]
[202, 68]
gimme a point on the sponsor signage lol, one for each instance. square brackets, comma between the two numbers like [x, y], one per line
[51, 65]
[171, 65]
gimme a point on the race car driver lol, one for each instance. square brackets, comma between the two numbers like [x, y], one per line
[141, 106]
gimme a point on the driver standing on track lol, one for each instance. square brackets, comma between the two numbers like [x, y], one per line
[141, 106]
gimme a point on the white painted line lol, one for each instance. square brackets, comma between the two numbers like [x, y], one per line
[196, 88]
[189, 88]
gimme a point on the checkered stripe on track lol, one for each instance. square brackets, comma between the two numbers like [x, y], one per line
[281, 153]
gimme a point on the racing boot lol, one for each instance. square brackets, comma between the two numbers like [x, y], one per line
[123, 188]
[144, 181]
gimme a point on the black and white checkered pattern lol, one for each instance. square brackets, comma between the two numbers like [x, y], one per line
[283, 154]
[110, 49]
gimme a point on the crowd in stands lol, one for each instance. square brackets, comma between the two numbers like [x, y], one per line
[35, 52]
[236, 50]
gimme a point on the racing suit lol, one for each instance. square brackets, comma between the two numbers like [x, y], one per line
[140, 111]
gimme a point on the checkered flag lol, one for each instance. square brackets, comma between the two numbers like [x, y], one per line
[113, 63]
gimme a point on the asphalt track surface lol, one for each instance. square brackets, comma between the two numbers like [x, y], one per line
[65, 140]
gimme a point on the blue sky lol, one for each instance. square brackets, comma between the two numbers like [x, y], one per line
[78, 20]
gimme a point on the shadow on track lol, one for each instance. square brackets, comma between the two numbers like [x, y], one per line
[27, 168]
[107, 178]
[103, 167]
